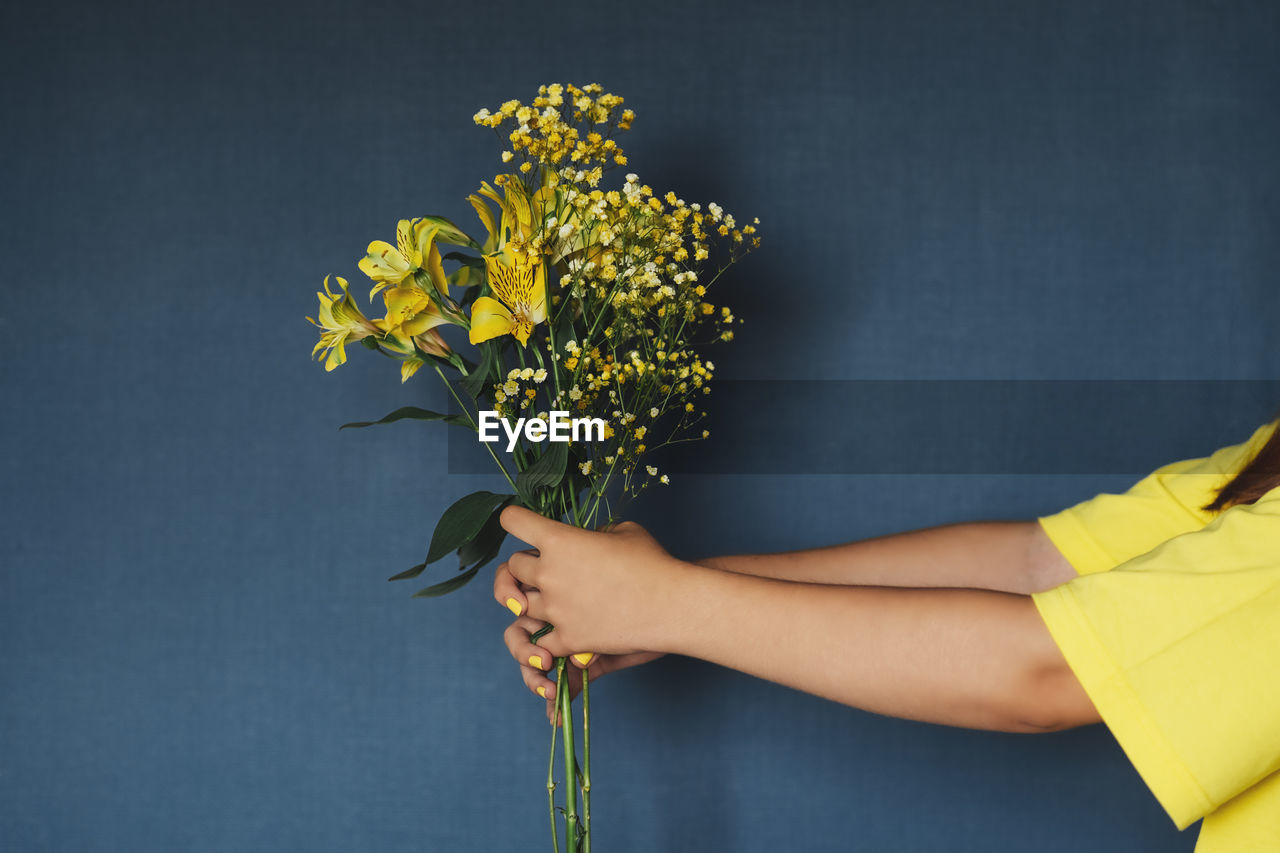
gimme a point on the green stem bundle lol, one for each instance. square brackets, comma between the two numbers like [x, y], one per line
[564, 711]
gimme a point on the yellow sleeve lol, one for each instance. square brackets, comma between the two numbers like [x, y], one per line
[1101, 533]
[1251, 821]
[1179, 650]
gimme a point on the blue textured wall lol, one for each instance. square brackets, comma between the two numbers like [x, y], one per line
[199, 649]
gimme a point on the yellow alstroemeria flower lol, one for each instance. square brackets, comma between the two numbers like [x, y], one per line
[415, 249]
[447, 232]
[521, 284]
[412, 317]
[410, 312]
[342, 321]
[518, 211]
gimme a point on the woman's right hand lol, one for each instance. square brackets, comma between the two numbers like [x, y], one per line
[537, 661]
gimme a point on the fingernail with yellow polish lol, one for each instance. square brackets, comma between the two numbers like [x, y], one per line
[514, 606]
[542, 691]
[584, 658]
[535, 661]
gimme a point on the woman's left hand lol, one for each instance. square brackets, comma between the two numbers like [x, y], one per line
[603, 590]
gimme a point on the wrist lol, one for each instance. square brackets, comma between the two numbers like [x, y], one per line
[674, 599]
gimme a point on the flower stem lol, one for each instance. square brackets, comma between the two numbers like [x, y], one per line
[570, 763]
[586, 765]
[551, 790]
[472, 422]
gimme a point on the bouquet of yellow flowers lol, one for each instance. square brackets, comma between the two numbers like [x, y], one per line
[584, 308]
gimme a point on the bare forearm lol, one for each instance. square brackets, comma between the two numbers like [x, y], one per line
[960, 657]
[1007, 556]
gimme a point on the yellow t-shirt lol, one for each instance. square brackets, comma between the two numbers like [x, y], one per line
[1173, 628]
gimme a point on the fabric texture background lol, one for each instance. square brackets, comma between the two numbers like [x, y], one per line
[200, 650]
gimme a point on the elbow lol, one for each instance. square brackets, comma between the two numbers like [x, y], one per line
[1042, 693]
[1050, 699]
[1038, 722]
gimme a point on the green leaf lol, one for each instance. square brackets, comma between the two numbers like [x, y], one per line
[487, 543]
[474, 382]
[411, 413]
[446, 587]
[472, 555]
[547, 470]
[409, 573]
[468, 296]
[465, 260]
[462, 522]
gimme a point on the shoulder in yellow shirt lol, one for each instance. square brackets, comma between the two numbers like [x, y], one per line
[1103, 532]
[1173, 629]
